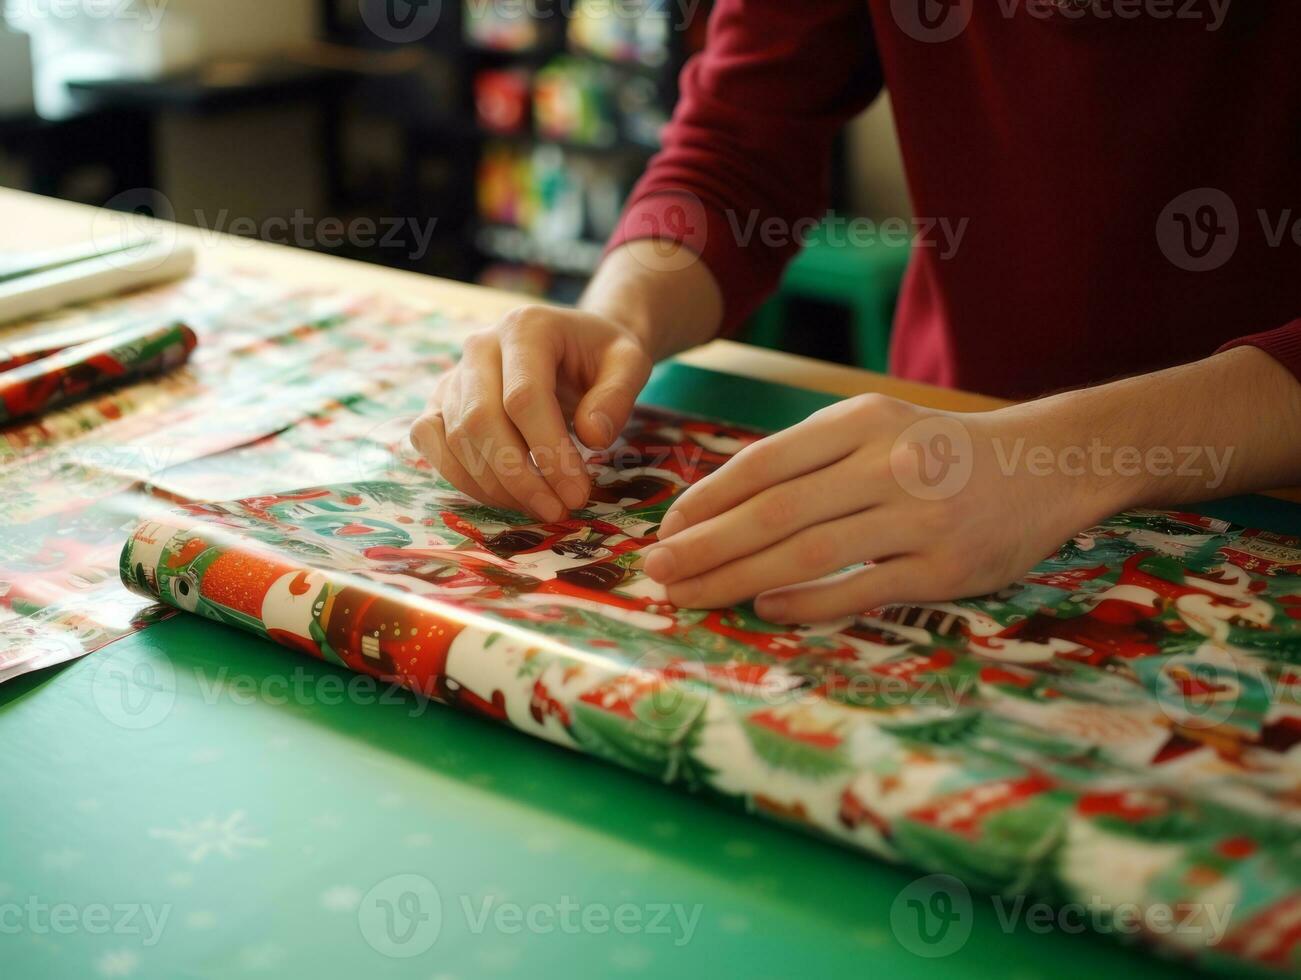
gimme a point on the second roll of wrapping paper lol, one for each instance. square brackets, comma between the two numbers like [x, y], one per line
[50, 382]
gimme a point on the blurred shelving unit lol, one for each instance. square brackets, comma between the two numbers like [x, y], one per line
[522, 127]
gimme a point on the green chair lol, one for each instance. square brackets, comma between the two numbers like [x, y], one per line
[863, 278]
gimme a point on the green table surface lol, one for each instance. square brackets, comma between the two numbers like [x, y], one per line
[196, 802]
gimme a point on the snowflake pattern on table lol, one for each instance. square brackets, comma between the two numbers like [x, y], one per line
[225, 837]
[1121, 725]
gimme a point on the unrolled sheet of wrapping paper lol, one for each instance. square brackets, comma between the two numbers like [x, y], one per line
[1118, 729]
[284, 382]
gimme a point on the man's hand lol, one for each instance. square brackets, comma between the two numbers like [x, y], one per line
[918, 493]
[497, 426]
[946, 506]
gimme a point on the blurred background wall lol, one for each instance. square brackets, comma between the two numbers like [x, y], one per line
[503, 136]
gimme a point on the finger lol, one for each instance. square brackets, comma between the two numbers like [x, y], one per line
[905, 579]
[810, 554]
[527, 379]
[764, 520]
[494, 437]
[461, 447]
[491, 451]
[605, 409]
[820, 440]
[429, 437]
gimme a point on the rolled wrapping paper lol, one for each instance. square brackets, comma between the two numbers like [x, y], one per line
[1115, 733]
[78, 371]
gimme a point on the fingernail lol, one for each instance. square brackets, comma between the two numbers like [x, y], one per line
[548, 508]
[770, 608]
[660, 564]
[420, 434]
[603, 427]
[672, 524]
[574, 495]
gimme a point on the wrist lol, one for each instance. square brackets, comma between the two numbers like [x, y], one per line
[629, 319]
[1080, 448]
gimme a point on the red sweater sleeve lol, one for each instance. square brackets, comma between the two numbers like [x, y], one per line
[1283, 344]
[752, 137]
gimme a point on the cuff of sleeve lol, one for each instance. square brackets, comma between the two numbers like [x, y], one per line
[1282, 344]
[673, 218]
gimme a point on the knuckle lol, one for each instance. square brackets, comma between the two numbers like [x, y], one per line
[454, 428]
[475, 420]
[875, 469]
[950, 575]
[519, 396]
[874, 406]
[758, 460]
[815, 551]
[479, 341]
[525, 319]
[778, 507]
[629, 351]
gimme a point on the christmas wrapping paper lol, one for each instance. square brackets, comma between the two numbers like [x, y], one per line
[1119, 729]
[283, 382]
[29, 387]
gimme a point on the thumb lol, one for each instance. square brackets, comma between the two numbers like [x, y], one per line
[604, 410]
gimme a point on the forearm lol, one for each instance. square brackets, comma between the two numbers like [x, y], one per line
[661, 292]
[1228, 424]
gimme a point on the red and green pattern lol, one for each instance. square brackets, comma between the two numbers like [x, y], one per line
[1123, 725]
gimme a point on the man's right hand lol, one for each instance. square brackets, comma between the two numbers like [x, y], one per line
[497, 425]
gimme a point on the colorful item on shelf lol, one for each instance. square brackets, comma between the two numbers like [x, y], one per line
[556, 196]
[641, 114]
[503, 100]
[1120, 728]
[572, 102]
[504, 186]
[527, 280]
[501, 27]
[634, 31]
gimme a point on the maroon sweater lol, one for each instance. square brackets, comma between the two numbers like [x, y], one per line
[1128, 188]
